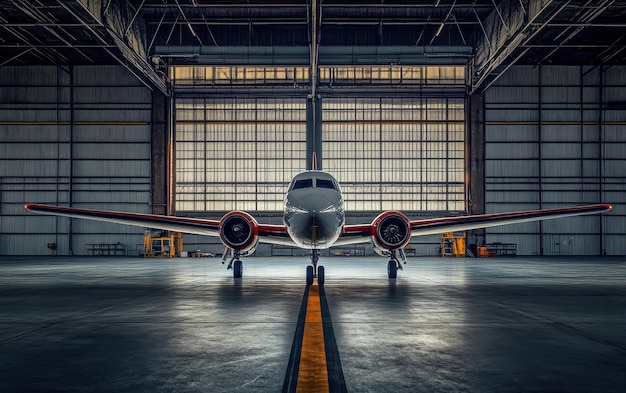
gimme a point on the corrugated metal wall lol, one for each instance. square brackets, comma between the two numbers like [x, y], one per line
[554, 137]
[78, 135]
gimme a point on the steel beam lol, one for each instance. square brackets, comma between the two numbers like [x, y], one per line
[327, 55]
[15, 57]
[511, 27]
[588, 17]
[130, 51]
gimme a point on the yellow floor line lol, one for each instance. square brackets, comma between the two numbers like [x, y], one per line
[313, 374]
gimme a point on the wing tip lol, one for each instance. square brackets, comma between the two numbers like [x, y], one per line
[33, 206]
[604, 207]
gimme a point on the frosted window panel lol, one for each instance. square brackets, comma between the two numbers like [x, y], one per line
[241, 150]
[395, 150]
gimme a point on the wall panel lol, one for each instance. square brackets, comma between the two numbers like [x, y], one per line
[563, 147]
[71, 135]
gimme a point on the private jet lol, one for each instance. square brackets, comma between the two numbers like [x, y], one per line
[314, 219]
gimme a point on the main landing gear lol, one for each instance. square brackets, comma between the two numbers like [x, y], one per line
[313, 270]
[235, 263]
[394, 264]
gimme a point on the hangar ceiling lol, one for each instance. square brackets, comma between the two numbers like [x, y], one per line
[144, 35]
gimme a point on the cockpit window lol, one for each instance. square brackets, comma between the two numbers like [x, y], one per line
[303, 183]
[325, 183]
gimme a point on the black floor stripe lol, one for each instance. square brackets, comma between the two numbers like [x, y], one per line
[291, 377]
[336, 380]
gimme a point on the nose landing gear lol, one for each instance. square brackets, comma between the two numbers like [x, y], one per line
[313, 271]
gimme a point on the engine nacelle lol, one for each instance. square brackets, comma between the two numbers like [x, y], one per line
[391, 231]
[239, 231]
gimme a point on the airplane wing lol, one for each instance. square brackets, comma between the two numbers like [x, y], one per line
[179, 224]
[453, 224]
[354, 234]
[273, 234]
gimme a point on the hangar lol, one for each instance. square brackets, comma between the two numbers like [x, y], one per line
[195, 108]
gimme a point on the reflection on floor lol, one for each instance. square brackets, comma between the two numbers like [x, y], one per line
[145, 325]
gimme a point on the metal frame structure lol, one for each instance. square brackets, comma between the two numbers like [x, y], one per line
[146, 36]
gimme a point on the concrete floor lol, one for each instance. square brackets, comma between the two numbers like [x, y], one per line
[184, 325]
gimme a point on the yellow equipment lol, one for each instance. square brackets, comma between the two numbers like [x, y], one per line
[453, 244]
[164, 245]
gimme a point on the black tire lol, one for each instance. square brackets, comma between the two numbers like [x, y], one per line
[309, 275]
[320, 275]
[237, 269]
[392, 269]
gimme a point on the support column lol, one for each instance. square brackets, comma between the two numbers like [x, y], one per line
[158, 170]
[475, 173]
[70, 190]
[314, 132]
[601, 179]
[540, 152]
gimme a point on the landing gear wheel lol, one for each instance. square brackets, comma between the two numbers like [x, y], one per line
[237, 269]
[392, 269]
[309, 275]
[320, 275]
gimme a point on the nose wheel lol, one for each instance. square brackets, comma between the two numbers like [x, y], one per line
[313, 271]
[310, 275]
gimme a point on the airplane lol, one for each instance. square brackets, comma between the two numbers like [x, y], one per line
[314, 218]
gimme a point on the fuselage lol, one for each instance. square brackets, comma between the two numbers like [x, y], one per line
[314, 214]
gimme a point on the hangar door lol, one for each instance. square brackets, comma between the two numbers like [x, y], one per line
[241, 135]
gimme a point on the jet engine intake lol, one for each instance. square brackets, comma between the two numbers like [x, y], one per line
[239, 231]
[391, 231]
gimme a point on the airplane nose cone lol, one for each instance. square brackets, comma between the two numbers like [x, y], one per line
[315, 203]
[313, 219]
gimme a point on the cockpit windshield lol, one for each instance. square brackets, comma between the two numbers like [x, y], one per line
[326, 183]
[302, 183]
